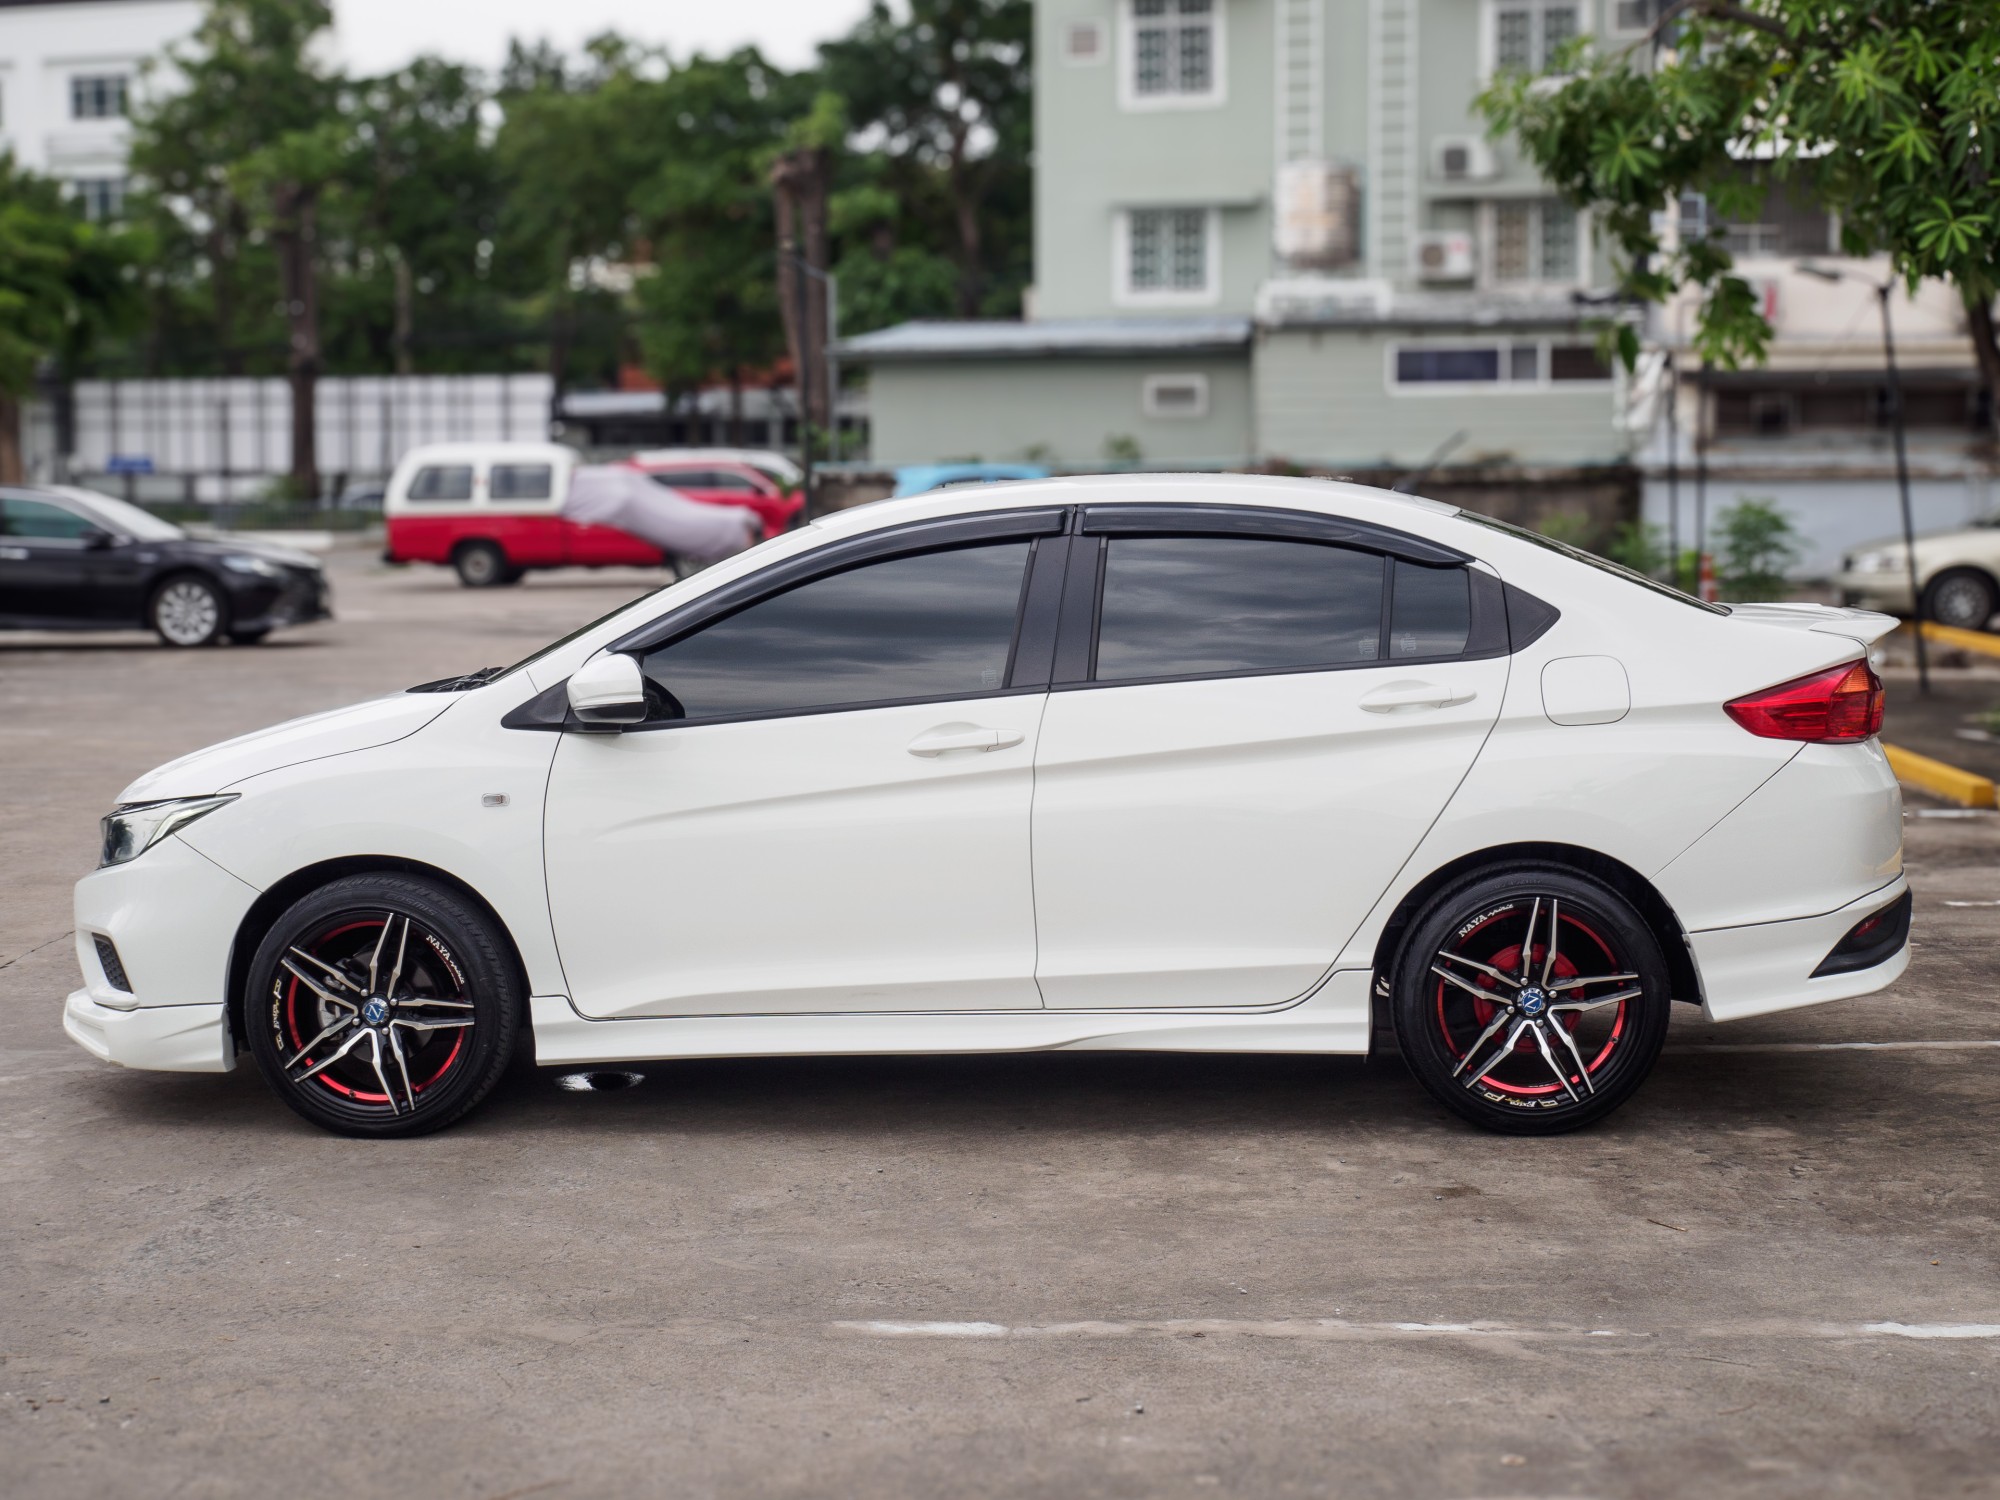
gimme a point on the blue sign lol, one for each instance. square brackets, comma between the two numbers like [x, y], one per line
[129, 463]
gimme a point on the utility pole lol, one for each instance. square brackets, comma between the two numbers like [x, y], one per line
[1882, 289]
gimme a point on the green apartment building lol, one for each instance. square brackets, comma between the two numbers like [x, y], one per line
[1271, 233]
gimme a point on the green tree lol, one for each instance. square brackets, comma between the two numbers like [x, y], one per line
[63, 285]
[709, 308]
[1759, 544]
[421, 190]
[244, 148]
[1886, 112]
[948, 96]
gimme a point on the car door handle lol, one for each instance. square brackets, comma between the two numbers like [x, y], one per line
[948, 737]
[1407, 697]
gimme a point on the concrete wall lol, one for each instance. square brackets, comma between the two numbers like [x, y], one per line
[1323, 397]
[1052, 411]
[1095, 155]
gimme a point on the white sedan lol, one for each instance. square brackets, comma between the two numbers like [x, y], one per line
[1183, 762]
[1957, 571]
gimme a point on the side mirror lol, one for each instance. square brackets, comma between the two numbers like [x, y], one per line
[608, 692]
[96, 539]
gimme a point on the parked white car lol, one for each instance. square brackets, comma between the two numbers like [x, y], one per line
[1149, 762]
[1958, 572]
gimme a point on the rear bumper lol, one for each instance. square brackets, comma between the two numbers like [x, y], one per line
[169, 1038]
[1755, 970]
[1887, 592]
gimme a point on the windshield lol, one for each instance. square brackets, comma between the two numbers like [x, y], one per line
[127, 519]
[496, 673]
[1591, 559]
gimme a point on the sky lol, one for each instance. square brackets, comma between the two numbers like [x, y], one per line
[375, 36]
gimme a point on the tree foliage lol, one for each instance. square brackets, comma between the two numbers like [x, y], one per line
[1884, 111]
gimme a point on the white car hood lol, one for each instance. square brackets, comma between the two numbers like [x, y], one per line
[339, 731]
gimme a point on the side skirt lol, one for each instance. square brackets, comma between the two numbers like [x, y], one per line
[1333, 1019]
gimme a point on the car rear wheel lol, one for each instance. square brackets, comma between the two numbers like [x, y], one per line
[1531, 1000]
[480, 565]
[188, 610]
[383, 1005]
[1962, 597]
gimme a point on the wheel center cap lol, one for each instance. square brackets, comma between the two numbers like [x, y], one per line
[376, 1011]
[1533, 1001]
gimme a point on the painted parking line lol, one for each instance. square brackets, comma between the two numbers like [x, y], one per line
[1960, 1046]
[1965, 640]
[1954, 784]
[1342, 1329]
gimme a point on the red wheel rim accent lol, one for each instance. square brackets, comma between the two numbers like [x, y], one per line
[1565, 968]
[297, 1038]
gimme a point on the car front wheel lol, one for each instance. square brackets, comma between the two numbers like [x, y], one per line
[1531, 1000]
[383, 1005]
[188, 611]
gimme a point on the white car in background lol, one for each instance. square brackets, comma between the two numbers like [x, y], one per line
[1958, 573]
[1151, 762]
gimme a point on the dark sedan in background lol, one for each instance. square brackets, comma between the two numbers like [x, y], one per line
[71, 559]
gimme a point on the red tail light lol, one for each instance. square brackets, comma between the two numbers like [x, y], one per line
[1836, 707]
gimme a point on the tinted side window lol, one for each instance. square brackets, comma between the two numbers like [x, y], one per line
[683, 479]
[936, 625]
[516, 482]
[1175, 606]
[1431, 614]
[442, 482]
[37, 518]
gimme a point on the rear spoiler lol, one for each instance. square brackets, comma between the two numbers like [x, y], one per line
[1863, 625]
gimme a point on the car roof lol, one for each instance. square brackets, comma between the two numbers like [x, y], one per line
[501, 452]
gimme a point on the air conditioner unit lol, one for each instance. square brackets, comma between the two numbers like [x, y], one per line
[1461, 158]
[1444, 255]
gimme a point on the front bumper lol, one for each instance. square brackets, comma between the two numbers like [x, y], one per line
[169, 1038]
[304, 597]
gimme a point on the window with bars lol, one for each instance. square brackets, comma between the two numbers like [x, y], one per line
[1167, 253]
[1529, 34]
[99, 96]
[100, 199]
[1533, 241]
[1174, 49]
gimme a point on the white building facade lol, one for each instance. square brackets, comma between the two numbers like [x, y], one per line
[70, 74]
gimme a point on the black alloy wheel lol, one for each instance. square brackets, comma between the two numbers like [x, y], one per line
[188, 610]
[480, 565]
[1961, 597]
[383, 1005]
[1531, 1000]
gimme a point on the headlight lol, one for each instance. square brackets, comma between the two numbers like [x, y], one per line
[1876, 562]
[256, 565]
[131, 830]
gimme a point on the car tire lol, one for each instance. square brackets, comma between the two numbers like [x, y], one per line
[383, 1005]
[480, 565]
[188, 610]
[1962, 597]
[1555, 1050]
[248, 637]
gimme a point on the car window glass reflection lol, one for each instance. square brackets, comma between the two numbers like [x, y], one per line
[1178, 606]
[36, 518]
[1431, 614]
[939, 624]
[518, 482]
[442, 482]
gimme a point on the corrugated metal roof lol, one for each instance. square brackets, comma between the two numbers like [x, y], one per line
[997, 340]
